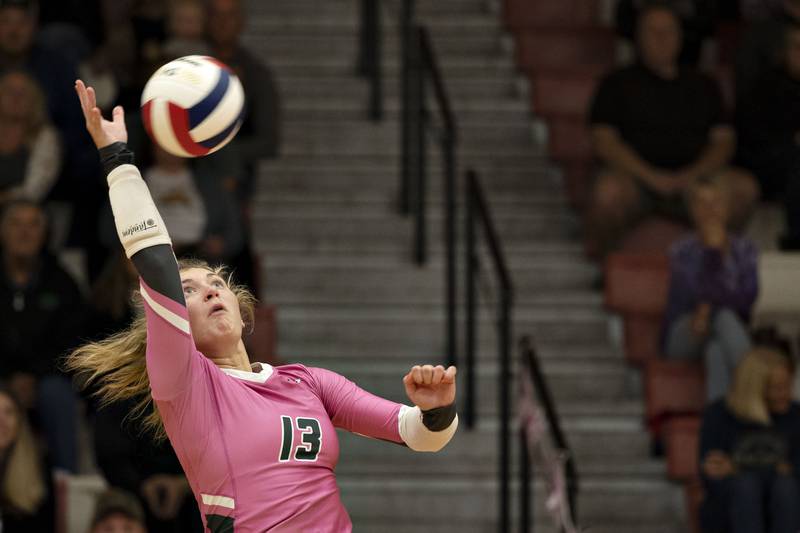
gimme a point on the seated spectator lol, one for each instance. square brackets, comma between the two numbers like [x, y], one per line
[260, 135]
[130, 460]
[41, 310]
[26, 490]
[769, 133]
[117, 511]
[30, 150]
[760, 50]
[713, 285]
[196, 200]
[186, 25]
[656, 127]
[750, 450]
[697, 20]
[111, 308]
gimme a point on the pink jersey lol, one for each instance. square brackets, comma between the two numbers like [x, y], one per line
[259, 449]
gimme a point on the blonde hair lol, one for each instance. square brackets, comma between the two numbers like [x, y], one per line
[116, 365]
[23, 481]
[37, 118]
[746, 397]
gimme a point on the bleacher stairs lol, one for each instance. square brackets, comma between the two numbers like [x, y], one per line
[336, 259]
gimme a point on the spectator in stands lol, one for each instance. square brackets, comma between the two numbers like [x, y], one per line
[713, 285]
[111, 309]
[750, 450]
[769, 132]
[760, 50]
[657, 127]
[29, 146]
[41, 310]
[26, 490]
[697, 20]
[131, 461]
[194, 200]
[186, 27]
[117, 511]
[260, 135]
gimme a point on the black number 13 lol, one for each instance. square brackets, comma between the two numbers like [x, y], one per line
[310, 442]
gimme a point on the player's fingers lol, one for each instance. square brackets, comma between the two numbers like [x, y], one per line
[438, 374]
[80, 89]
[427, 374]
[118, 115]
[450, 375]
[416, 373]
[91, 98]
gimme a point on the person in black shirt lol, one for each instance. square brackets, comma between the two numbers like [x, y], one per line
[750, 450]
[769, 134]
[42, 311]
[656, 127]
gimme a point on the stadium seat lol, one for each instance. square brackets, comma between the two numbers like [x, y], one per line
[694, 497]
[672, 388]
[569, 139]
[578, 181]
[523, 14]
[636, 288]
[681, 441]
[562, 92]
[262, 343]
[654, 234]
[557, 48]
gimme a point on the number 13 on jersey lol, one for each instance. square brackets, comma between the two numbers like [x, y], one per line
[310, 441]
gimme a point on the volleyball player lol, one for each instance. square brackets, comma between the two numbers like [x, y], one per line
[257, 443]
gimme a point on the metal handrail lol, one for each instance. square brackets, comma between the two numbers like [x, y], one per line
[478, 212]
[369, 55]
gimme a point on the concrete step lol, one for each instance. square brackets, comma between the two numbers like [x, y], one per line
[299, 23]
[601, 381]
[335, 8]
[420, 333]
[604, 501]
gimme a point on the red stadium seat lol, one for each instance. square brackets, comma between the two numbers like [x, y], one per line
[523, 14]
[569, 139]
[578, 181]
[672, 388]
[562, 92]
[694, 497]
[681, 441]
[262, 343]
[571, 48]
[636, 288]
[654, 234]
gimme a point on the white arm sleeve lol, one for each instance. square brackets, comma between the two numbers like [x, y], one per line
[417, 436]
[139, 225]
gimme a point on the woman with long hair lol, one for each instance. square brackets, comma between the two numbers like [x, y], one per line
[257, 443]
[26, 503]
[750, 450]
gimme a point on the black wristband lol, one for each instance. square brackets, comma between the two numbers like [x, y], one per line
[114, 155]
[439, 418]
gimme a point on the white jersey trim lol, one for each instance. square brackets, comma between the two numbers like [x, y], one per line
[257, 377]
[177, 321]
[218, 501]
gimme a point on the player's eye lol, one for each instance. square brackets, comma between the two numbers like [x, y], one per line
[188, 289]
[219, 283]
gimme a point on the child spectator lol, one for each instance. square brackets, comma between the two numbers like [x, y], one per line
[750, 450]
[657, 127]
[117, 512]
[769, 130]
[713, 284]
[30, 150]
[26, 495]
[42, 312]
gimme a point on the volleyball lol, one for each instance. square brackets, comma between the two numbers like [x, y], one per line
[192, 106]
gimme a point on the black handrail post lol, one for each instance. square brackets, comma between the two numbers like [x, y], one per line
[471, 332]
[369, 61]
[408, 49]
[450, 191]
[524, 483]
[420, 123]
[505, 407]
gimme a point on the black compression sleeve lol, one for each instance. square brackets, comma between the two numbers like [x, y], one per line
[439, 418]
[114, 155]
[156, 265]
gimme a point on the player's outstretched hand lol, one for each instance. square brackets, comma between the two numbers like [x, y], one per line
[429, 386]
[103, 132]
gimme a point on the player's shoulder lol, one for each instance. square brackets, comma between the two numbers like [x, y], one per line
[296, 371]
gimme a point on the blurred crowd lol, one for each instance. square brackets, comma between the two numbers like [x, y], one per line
[63, 276]
[672, 143]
